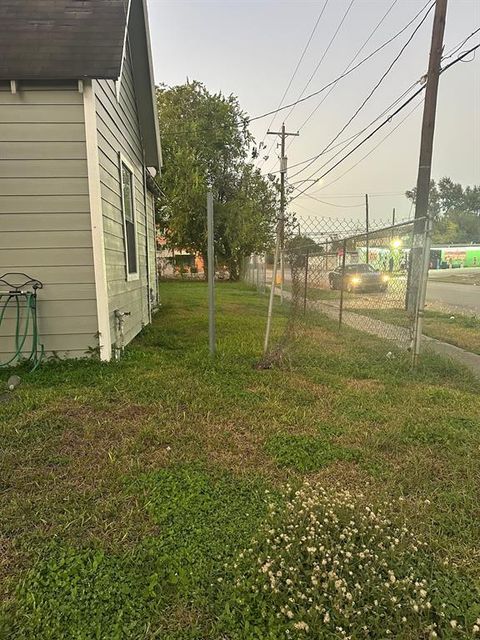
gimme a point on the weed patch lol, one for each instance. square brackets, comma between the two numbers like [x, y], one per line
[306, 453]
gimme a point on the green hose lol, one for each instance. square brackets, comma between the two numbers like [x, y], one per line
[21, 334]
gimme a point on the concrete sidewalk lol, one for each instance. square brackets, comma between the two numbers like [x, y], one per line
[399, 335]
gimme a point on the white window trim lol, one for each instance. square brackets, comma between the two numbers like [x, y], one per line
[123, 160]
[96, 217]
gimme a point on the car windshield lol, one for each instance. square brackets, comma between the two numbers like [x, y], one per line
[360, 268]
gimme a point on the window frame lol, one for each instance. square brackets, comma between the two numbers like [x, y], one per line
[122, 161]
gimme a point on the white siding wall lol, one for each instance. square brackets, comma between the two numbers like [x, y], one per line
[119, 132]
[44, 212]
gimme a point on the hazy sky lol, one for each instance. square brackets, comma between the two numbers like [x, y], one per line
[251, 48]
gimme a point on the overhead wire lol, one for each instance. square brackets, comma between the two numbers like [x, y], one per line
[457, 48]
[322, 58]
[327, 49]
[387, 120]
[333, 87]
[350, 139]
[292, 77]
[371, 151]
[373, 90]
[342, 75]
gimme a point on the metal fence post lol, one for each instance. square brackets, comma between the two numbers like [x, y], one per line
[306, 283]
[211, 274]
[421, 294]
[272, 292]
[340, 312]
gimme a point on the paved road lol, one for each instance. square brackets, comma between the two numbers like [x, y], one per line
[446, 296]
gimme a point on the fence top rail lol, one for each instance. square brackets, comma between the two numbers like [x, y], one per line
[315, 246]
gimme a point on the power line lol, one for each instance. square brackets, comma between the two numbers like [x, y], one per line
[343, 75]
[371, 151]
[377, 85]
[385, 122]
[359, 133]
[292, 77]
[327, 49]
[350, 139]
[357, 195]
[333, 204]
[332, 88]
[332, 40]
[459, 46]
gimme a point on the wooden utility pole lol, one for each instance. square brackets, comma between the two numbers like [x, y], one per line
[367, 229]
[283, 172]
[420, 256]
[429, 111]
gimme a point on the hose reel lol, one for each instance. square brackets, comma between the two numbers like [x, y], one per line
[20, 294]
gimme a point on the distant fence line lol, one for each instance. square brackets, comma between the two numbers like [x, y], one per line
[372, 282]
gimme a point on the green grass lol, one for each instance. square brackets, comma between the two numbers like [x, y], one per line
[127, 487]
[462, 331]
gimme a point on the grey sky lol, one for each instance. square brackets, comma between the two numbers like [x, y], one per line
[250, 48]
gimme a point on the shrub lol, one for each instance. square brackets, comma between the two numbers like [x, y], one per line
[328, 565]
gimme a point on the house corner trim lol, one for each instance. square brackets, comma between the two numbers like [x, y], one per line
[96, 217]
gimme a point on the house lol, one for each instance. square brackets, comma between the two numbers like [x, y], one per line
[172, 262]
[79, 145]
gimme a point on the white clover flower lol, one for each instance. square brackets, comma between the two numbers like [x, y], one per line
[453, 624]
[475, 628]
[302, 626]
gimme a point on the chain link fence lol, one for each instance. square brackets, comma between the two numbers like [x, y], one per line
[371, 281]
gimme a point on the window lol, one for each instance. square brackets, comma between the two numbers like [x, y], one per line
[129, 226]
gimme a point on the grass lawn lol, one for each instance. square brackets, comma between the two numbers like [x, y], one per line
[138, 499]
[462, 331]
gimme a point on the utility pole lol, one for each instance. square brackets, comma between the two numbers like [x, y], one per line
[421, 256]
[367, 225]
[425, 161]
[393, 217]
[281, 222]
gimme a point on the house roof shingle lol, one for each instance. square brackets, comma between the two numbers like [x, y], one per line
[61, 39]
[80, 39]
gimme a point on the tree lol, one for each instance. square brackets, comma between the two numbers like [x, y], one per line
[434, 208]
[455, 211]
[205, 141]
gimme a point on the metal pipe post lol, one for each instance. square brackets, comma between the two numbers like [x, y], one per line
[272, 293]
[340, 312]
[422, 293]
[367, 225]
[211, 274]
[306, 284]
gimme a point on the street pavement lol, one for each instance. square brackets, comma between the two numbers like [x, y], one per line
[446, 296]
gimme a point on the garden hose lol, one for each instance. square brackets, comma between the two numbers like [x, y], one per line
[28, 328]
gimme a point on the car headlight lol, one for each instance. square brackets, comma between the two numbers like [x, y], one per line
[356, 280]
[385, 278]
